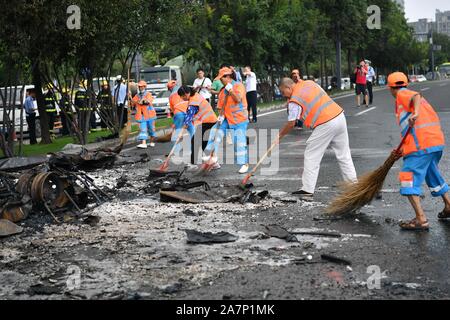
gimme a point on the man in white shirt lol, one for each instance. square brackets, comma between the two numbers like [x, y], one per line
[203, 85]
[370, 80]
[252, 93]
[119, 94]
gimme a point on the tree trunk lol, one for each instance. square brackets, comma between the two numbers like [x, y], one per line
[349, 61]
[37, 82]
[326, 73]
[321, 70]
[338, 56]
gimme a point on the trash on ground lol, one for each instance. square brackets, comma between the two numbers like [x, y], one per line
[280, 233]
[7, 228]
[334, 259]
[196, 237]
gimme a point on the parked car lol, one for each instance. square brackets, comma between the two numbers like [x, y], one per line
[421, 78]
[413, 78]
[161, 104]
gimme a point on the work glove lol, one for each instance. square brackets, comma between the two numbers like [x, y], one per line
[229, 87]
[220, 119]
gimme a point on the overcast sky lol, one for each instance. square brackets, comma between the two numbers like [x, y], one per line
[418, 9]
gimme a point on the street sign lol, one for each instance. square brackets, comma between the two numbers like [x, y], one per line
[437, 47]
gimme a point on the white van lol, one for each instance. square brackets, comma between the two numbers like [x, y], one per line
[19, 101]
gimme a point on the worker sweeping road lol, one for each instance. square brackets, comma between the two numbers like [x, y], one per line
[178, 108]
[421, 151]
[311, 104]
[199, 112]
[234, 117]
[145, 115]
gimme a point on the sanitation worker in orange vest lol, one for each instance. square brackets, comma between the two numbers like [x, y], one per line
[200, 112]
[145, 115]
[421, 152]
[311, 104]
[234, 118]
[179, 109]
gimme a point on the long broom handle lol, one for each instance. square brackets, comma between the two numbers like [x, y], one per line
[274, 144]
[404, 139]
[180, 136]
[222, 112]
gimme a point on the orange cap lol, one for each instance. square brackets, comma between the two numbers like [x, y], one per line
[171, 84]
[397, 79]
[224, 72]
[142, 83]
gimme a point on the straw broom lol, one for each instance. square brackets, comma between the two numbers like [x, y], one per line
[354, 196]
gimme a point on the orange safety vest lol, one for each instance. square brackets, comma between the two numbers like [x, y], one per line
[205, 113]
[235, 113]
[177, 104]
[427, 134]
[144, 112]
[318, 107]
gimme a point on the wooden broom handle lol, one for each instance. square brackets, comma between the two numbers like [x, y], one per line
[404, 139]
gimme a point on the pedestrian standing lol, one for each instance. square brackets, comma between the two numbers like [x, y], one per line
[421, 152]
[234, 117]
[309, 102]
[82, 105]
[105, 99]
[361, 72]
[121, 101]
[30, 107]
[215, 90]
[145, 115]
[371, 76]
[50, 108]
[203, 85]
[67, 115]
[252, 93]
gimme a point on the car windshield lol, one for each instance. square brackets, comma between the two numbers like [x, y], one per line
[163, 94]
[154, 77]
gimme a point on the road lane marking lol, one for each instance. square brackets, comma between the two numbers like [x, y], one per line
[425, 89]
[443, 85]
[365, 111]
[273, 112]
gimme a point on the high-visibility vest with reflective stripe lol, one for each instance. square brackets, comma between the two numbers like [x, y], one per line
[205, 113]
[50, 103]
[144, 112]
[234, 112]
[318, 107]
[427, 132]
[177, 104]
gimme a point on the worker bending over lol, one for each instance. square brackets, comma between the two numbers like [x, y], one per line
[199, 112]
[311, 104]
[421, 152]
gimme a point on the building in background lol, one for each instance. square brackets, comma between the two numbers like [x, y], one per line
[443, 22]
[422, 29]
[401, 3]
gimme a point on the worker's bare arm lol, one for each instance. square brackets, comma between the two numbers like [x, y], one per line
[287, 128]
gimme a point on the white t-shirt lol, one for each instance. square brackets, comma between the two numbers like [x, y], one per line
[250, 82]
[295, 111]
[207, 84]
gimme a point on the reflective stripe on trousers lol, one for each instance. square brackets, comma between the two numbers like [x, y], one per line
[239, 134]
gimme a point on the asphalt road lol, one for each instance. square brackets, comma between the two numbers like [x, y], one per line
[139, 250]
[409, 258]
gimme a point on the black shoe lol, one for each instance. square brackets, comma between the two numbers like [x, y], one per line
[358, 106]
[303, 195]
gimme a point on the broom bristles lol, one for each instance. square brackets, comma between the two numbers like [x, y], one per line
[354, 196]
[165, 138]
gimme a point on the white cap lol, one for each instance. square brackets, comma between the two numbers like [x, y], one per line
[119, 78]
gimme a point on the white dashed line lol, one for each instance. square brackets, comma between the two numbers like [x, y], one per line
[365, 111]
[425, 89]
[443, 85]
